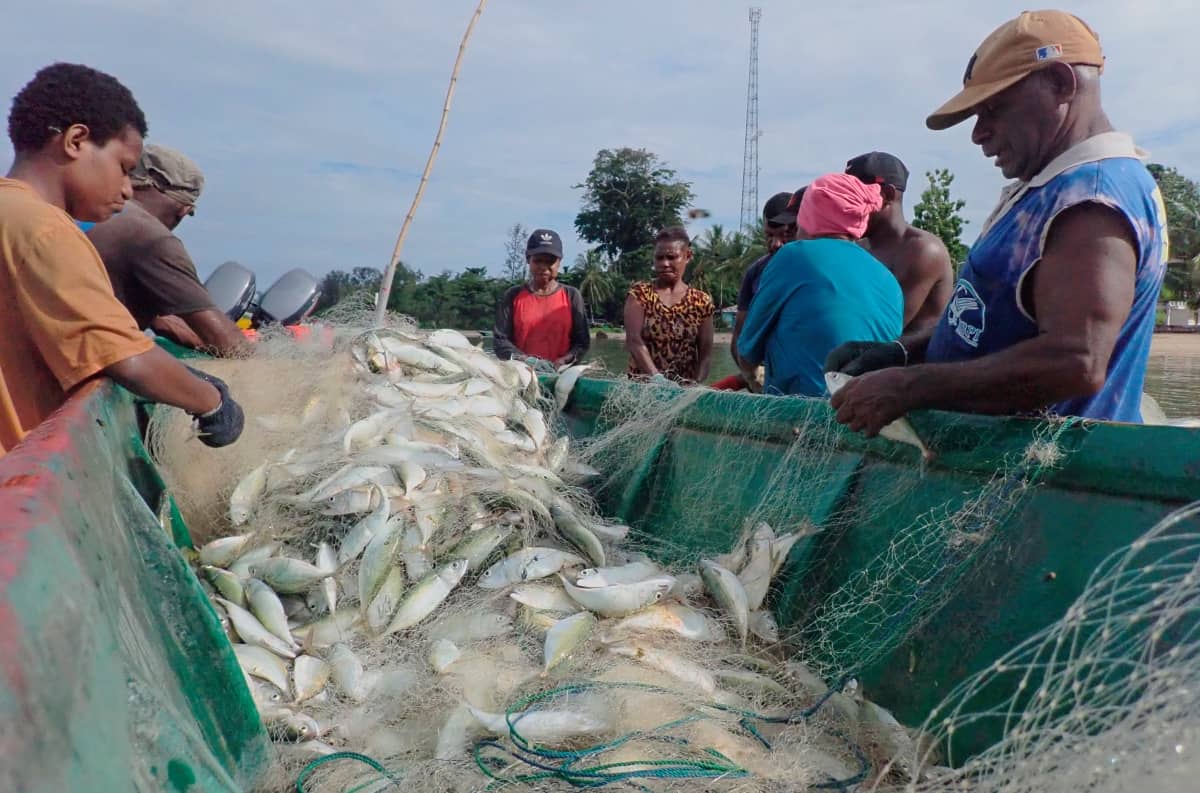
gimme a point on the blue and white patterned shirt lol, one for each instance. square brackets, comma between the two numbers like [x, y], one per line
[985, 313]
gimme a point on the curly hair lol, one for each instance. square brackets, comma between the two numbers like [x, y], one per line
[674, 234]
[69, 93]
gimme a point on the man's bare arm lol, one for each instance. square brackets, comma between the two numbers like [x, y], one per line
[157, 376]
[928, 284]
[1082, 292]
[217, 332]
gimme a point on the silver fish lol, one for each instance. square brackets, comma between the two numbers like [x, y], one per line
[900, 430]
[263, 664]
[478, 546]
[286, 575]
[544, 597]
[353, 501]
[527, 564]
[442, 655]
[228, 584]
[327, 561]
[567, 636]
[309, 676]
[287, 725]
[549, 727]
[224, 551]
[756, 574]
[471, 626]
[347, 672]
[676, 666]
[241, 568]
[620, 599]
[327, 631]
[625, 574]
[425, 596]
[252, 631]
[762, 624]
[267, 608]
[382, 605]
[360, 534]
[577, 534]
[247, 494]
[676, 618]
[727, 590]
[379, 558]
[565, 383]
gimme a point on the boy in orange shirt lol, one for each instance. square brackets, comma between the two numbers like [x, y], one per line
[77, 134]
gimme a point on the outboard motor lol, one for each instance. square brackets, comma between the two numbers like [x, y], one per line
[231, 287]
[289, 300]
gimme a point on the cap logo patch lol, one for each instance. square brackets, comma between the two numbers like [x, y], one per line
[1049, 51]
[546, 237]
[970, 68]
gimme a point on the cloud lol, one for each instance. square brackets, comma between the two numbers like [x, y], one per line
[313, 122]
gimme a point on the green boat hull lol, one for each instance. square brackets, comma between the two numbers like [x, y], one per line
[117, 675]
[950, 613]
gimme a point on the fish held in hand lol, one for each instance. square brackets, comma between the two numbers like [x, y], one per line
[901, 430]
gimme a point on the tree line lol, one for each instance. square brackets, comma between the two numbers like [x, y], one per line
[630, 194]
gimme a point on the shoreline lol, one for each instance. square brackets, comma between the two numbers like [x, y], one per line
[1163, 343]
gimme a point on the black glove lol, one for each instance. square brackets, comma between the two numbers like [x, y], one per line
[222, 425]
[858, 357]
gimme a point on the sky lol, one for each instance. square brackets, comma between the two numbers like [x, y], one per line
[312, 125]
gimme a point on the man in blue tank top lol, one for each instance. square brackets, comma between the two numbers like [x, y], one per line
[1055, 306]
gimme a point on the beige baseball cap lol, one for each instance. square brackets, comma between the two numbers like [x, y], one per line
[1015, 50]
[171, 172]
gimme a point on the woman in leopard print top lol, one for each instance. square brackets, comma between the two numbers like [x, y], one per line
[668, 324]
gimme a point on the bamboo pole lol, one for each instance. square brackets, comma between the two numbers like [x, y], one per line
[385, 288]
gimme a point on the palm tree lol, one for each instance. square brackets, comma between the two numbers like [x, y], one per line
[595, 281]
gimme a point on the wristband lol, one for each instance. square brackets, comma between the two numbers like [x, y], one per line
[904, 350]
[212, 412]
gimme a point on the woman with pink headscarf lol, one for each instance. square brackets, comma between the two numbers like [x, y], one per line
[821, 291]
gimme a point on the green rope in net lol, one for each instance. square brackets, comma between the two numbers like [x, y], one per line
[502, 763]
[338, 756]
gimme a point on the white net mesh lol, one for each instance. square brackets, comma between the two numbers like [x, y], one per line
[384, 543]
[1106, 699]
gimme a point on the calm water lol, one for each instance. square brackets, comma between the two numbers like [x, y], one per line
[1172, 377]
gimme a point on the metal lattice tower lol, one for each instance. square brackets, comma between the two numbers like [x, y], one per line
[750, 156]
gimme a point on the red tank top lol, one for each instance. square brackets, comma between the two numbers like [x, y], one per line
[542, 325]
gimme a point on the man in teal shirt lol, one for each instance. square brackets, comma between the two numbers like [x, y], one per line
[821, 292]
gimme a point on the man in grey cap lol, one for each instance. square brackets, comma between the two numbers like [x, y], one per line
[150, 270]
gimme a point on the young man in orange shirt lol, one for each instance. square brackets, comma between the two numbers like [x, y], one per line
[77, 133]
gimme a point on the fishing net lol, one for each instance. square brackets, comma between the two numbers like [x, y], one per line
[1107, 698]
[466, 697]
[789, 464]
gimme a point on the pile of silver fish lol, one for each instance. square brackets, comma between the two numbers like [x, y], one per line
[447, 486]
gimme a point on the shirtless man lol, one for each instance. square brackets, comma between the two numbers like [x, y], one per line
[918, 259]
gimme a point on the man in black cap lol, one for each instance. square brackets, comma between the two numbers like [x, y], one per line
[918, 259]
[779, 228]
[541, 320]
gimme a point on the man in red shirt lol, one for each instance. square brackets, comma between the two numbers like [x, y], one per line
[541, 320]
